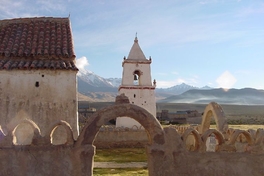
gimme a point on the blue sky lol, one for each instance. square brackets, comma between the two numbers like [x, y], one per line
[219, 43]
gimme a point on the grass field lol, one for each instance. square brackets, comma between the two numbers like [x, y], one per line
[242, 127]
[121, 155]
[119, 172]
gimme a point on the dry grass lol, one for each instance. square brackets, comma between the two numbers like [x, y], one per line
[119, 172]
[242, 127]
[121, 155]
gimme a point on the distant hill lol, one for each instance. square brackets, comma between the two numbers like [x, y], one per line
[246, 96]
[97, 88]
[94, 88]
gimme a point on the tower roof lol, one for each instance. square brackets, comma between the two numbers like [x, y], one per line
[136, 53]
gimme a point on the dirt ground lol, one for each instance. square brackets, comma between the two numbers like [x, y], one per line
[236, 114]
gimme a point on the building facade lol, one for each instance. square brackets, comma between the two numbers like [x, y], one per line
[37, 74]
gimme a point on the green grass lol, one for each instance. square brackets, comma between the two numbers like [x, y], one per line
[121, 155]
[119, 172]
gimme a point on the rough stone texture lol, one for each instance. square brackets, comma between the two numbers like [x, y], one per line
[121, 138]
[215, 110]
[166, 150]
[37, 161]
[121, 99]
[53, 100]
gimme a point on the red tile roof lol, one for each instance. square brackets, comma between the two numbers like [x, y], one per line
[41, 43]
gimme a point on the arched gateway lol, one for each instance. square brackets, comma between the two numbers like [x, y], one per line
[84, 143]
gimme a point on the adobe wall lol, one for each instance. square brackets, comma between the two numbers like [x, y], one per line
[28, 160]
[120, 138]
[173, 159]
[31, 96]
[166, 149]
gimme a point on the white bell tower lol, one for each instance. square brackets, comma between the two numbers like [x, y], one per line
[137, 84]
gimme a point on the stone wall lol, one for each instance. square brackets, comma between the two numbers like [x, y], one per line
[111, 137]
[43, 96]
[167, 151]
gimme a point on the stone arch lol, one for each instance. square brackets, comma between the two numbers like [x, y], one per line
[36, 131]
[215, 110]
[218, 135]
[147, 120]
[137, 77]
[67, 127]
[235, 135]
[84, 145]
[259, 136]
[195, 133]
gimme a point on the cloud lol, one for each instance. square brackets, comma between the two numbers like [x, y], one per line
[82, 62]
[226, 80]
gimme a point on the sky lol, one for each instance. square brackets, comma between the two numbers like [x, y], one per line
[218, 43]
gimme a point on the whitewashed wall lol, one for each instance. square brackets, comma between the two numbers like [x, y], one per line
[43, 96]
[128, 77]
[141, 93]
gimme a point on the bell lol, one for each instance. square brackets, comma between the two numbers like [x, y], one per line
[135, 77]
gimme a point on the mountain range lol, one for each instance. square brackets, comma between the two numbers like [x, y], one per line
[94, 88]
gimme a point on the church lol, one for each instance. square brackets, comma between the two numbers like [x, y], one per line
[137, 84]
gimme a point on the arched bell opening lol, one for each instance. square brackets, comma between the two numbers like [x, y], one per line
[136, 79]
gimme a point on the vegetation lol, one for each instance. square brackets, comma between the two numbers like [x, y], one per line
[121, 155]
[242, 127]
[119, 172]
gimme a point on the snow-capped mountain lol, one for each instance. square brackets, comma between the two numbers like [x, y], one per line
[93, 79]
[177, 89]
[97, 87]
[115, 82]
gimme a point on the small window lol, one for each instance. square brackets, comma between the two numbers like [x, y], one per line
[134, 95]
[37, 84]
[42, 76]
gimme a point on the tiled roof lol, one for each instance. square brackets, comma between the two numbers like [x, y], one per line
[42, 43]
[28, 64]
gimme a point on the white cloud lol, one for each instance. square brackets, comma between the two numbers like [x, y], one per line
[82, 62]
[226, 80]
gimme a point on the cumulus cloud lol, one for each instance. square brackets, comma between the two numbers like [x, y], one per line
[226, 80]
[82, 62]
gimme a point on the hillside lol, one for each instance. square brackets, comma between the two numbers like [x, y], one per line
[246, 96]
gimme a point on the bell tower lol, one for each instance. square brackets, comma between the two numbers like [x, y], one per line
[137, 84]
